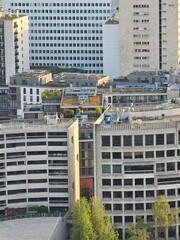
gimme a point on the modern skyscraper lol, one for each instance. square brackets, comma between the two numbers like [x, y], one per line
[14, 45]
[66, 33]
[148, 35]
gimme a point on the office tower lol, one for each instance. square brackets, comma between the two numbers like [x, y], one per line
[148, 35]
[66, 33]
[39, 164]
[14, 45]
[135, 162]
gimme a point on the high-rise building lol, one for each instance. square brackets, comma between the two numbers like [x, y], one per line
[148, 35]
[14, 45]
[66, 33]
[39, 164]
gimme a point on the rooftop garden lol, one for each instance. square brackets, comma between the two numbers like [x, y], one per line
[51, 94]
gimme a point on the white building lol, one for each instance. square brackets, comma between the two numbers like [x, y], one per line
[137, 158]
[39, 164]
[66, 33]
[149, 37]
[14, 45]
[111, 45]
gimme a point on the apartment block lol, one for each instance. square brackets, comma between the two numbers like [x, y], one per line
[39, 164]
[14, 45]
[149, 35]
[137, 159]
[66, 33]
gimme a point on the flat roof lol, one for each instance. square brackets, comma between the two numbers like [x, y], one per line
[92, 101]
[28, 228]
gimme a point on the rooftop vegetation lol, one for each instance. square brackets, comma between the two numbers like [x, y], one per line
[51, 94]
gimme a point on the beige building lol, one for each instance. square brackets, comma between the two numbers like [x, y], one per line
[14, 45]
[148, 35]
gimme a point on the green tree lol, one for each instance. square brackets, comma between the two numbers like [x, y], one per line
[164, 217]
[98, 110]
[101, 223]
[82, 226]
[138, 231]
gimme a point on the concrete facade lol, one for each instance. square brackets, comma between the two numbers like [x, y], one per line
[14, 50]
[66, 33]
[148, 35]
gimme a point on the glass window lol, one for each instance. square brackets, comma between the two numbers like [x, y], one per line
[127, 155]
[149, 154]
[160, 167]
[117, 219]
[160, 192]
[160, 154]
[116, 168]
[116, 141]
[106, 169]
[149, 194]
[170, 138]
[106, 155]
[159, 139]
[138, 140]
[128, 194]
[171, 166]
[117, 207]
[117, 155]
[139, 181]
[139, 206]
[138, 155]
[149, 140]
[127, 141]
[128, 182]
[128, 207]
[105, 141]
[106, 182]
[117, 194]
[171, 192]
[139, 194]
[149, 181]
[170, 153]
[117, 182]
[106, 194]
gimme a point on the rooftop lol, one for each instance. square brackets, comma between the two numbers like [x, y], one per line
[28, 229]
[32, 73]
[92, 101]
[79, 76]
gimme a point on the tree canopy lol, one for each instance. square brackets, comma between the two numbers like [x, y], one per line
[93, 215]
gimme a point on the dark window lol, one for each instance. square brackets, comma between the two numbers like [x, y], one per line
[171, 166]
[149, 181]
[105, 141]
[149, 194]
[128, 194]
[149, 140]
[116, 141]
[106, 155]
[170, 138]
[149, 154]
[117, 194]
[139, 194]
[160, 167]
[160, 154]
[127, 141]
[138, 140]
[159, 139]
[117, 182]
[106, 182]
[138, 155]
[170, 153]
[117, 219]
[128, 207]
[117, 155]
[106, 194]
[117, 207]
[127, 155]
[139, 181]
[128, 182]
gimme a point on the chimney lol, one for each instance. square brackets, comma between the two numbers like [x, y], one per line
[17, 13]
[9, 12]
